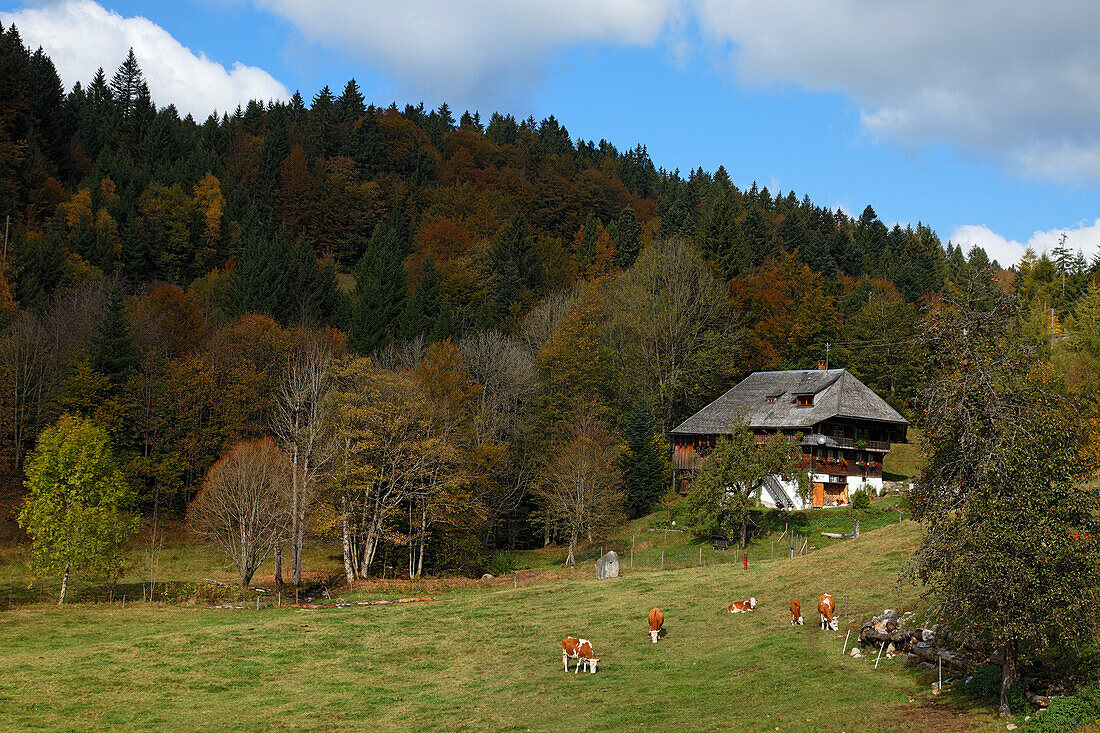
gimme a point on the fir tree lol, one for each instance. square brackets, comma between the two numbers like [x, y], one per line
[113, 352]
[644, 476]
[380, 280]
[627, 238]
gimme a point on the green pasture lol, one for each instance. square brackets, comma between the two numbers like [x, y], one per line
[488, 658]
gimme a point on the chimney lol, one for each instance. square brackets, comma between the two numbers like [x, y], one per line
[821, 365]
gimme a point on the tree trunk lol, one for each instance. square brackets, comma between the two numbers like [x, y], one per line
[423, 540]
[64, 583]
[1010, 675]
[571, 561]
[349, 564]
[295, 573]
[744, 533]
[278, 564]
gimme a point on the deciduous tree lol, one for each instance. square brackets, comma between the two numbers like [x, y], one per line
[242, 505]
[77, 508]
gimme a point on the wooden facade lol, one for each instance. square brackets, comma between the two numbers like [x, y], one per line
[845, 430]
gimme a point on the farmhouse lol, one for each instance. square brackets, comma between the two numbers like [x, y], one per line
[846, 432]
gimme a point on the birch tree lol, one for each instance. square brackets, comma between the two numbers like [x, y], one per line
[77, 508]
[298, 425]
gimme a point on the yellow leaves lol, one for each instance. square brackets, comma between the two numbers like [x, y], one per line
[78, 209]
[209, 206]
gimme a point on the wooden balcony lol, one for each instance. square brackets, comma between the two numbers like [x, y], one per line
[828, 441]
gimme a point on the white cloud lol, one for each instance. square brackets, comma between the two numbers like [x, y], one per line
[483, 48]
[1085, 237]
[1015, 80]
[81, 35]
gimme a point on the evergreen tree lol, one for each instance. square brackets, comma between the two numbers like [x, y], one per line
[627, 238]
[380, 281]
[113, 351]
[645, 477]
[721, 239]
[586, 245]
[422, 310]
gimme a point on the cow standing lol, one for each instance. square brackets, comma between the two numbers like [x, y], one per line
[656, 624]
[743, 606]
[825, 607]
[796, 613]
[581, 650]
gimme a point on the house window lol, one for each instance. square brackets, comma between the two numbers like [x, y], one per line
[804, 400]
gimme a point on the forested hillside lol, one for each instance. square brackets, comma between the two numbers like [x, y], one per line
[511, 307]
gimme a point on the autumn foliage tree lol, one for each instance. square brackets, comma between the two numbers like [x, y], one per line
[580, 486]
[242, 506]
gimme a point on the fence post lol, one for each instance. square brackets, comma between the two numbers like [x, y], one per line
[662, 559]
[700, 556]
[631, 552]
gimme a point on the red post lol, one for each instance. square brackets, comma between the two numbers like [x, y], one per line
[746, 561]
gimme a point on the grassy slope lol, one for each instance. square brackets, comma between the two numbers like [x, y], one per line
[478, 660]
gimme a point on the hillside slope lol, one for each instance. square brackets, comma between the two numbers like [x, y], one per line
[478, 660]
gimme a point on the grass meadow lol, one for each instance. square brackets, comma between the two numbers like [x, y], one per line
[487, 657]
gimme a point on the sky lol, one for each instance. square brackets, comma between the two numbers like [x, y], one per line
[978, 119]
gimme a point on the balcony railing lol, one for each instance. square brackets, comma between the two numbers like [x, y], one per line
[828, 441]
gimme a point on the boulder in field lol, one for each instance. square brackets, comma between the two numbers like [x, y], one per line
[608, 566]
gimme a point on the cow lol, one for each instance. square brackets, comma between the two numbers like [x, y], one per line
[796, 613]
[743, 606]
[656, 624]
[825, 607]
[581, 650]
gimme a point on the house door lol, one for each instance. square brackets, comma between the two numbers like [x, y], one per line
[819, 495]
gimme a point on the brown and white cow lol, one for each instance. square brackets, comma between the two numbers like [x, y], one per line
[656, 624]
[825, 607]
[796, 612]
[581, 650]
[743, 606]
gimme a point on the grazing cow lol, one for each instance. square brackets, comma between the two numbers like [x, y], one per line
[581, 650]
[743, 606]
[656, 624]
[825, 607]
[796, 613]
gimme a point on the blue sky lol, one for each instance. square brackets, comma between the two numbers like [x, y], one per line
[977, 118]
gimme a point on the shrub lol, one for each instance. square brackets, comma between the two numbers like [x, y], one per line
[861, 502]
[1067, 713]
[985, 684]
[505, 562]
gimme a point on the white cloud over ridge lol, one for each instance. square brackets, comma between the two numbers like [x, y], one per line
[1085, 237]
[81, 35]
[1014, 81]
[481, 48]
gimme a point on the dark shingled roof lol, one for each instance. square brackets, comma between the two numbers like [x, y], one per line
[836, 394]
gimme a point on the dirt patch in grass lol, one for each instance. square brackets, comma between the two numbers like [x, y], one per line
[937, 716]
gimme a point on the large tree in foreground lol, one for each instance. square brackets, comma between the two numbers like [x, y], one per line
[1010, 547]
[76, 509]
[730, 480]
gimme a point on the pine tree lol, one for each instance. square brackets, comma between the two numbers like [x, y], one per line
[645, 477]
